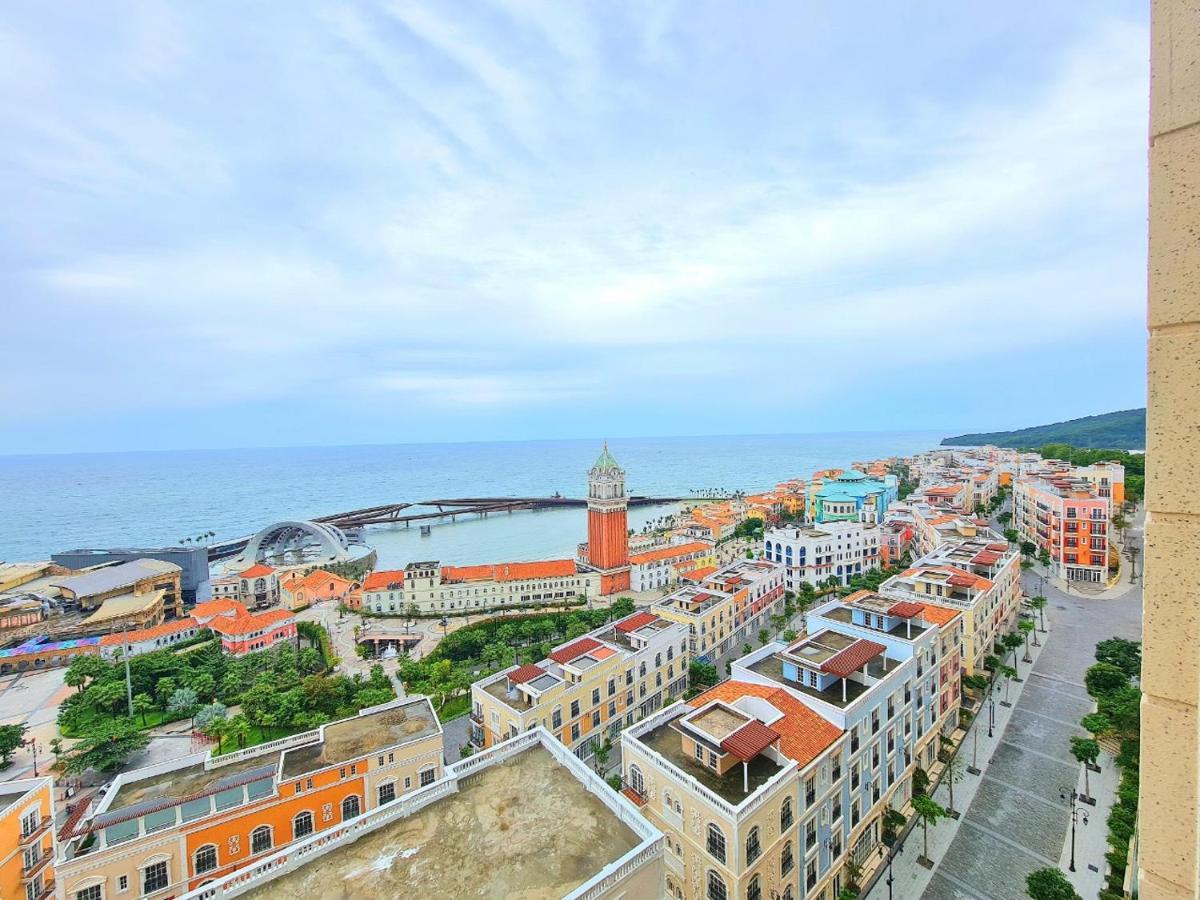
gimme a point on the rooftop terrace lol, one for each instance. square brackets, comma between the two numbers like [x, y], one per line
[362, 735]
[666, 741]
[772, 667]
[176, 784]
[524, 828]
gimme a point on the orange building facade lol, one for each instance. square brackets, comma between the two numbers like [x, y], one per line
[27, 847]
[167, 829]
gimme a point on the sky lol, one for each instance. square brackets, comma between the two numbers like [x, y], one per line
[232, 225]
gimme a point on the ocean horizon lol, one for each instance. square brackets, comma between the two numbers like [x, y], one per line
[60, 501]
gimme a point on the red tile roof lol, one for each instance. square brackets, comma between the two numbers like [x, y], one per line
[699, 574]
[525, 673]
[636, 621]
[149, 634]
[575, 649]
[906, 609]
[852, 658]
[258, 571]
[750, 740]
[986, 558]
[513, 571]
[803, 735]
[379, 581]
[961, 580]
[219, 607]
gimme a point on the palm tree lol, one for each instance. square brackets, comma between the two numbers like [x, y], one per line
[1086, 751]
[1026, 627]
[1009, 674]
[239, 727]
[142, 704]
[218, 728]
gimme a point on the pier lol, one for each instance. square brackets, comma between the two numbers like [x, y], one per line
[429, 511]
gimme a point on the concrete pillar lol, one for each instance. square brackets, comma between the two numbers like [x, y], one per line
[1169, 823]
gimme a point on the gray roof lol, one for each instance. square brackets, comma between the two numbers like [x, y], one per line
[108, 578]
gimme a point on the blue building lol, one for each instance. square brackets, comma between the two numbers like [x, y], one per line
[854, 496]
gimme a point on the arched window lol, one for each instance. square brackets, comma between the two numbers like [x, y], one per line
[785, 814]
[635, 780]
[205, 859]
[768, 549]
[260, 839]
[260, 585]
[753, 847]
[716, 887]
[754, 889]
[786, 860]
[350, 807]
[716, 846]
[657, 660]
[302, 825]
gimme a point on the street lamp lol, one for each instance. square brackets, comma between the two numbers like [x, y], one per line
[33, 748]
[1072, 797]
[895, 848]
[991, 713]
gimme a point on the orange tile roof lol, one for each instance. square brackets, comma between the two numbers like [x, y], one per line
[750, 740]
[513, 571]
[258, 571]
[803, 734]
[848, 661]
[318, 577]
[249, 622]
[525, 673]
[699, 574]
[149, 634]
[939, 615]
[217, 608]
[572, 650]
[379, 581]
[671, 552]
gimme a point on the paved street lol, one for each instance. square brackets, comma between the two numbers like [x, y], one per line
[1015, 822]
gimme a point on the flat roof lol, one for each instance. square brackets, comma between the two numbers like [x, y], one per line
[525, 827]
[167, 788]
[124, 605]
[109, 577]
[666, 741]
[352, 738]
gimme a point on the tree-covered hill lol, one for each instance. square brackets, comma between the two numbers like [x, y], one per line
[1124, 430]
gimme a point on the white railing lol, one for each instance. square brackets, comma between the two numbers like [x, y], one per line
[494, 754]
[283, 743]
[150, 771]
[616, 872]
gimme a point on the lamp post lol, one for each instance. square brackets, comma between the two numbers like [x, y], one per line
[1071, 797]
[33, 748]
[991, 713]
[892, 851]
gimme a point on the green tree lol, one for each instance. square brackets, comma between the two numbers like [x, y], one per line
[11, 737]
[1087, 751]
[182, 702]
[790, 635]
[142, 704]
[928, 812]
[106, 745]
[1011, 535]
[1026, 628]
[1044, 556]
[1122, 708]
[218, 728]
[702, 674]
[56, 747]
[83, 668]
[1028, 548]
[1096, 723]
[1049, 884]
[1038, 604]
[163, 691]
[239, 729]
[763, 636]
[601, 751]
[1009, 674]
[1104, 678]
[1124, 654]
[206, 714]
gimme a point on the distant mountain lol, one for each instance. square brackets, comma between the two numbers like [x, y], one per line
[1124, 430]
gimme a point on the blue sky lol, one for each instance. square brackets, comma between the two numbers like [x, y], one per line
[231, 224]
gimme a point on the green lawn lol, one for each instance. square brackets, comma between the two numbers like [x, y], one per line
[255, 737]
[454, 707]
[154, 718]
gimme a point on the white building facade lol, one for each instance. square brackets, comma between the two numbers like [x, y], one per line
[814, 553]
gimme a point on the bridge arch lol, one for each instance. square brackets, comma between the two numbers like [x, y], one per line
[329, 541]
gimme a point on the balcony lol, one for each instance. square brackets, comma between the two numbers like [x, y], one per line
[42, 827]
[28, 873]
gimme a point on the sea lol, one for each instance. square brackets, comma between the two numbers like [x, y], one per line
[52, 503]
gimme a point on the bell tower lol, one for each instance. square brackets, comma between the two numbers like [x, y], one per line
[608, 523]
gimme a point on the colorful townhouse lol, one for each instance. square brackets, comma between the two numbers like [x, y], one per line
[27, 839]
[814, 554]
[853, 496]
[297, 592]
[589, 688]
[242, 631]
[727, 608]
[169, 828]
[978, 577]
[660, 567]
[770, 783]
[1066, 515]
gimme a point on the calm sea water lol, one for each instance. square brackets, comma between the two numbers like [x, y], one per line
[61, 502]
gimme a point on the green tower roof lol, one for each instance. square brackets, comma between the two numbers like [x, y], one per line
[605, 462]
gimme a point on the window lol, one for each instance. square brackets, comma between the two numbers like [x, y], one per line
[302, 825]
[716, 887]
[122, 884]
[574, 709]
[260, 839]
[205, 859]
[154, 877]
[595, 696]
[595, 718]
[754, 889]
[785, 814]
[91, 892]
[427, 776]
[387, 792]
[810, 835]
[716, 845]
[786, 861]
[350, 807]
[753, 847]
[575, 732]
[810, 875]
[556, 718]
[810, 791]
